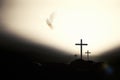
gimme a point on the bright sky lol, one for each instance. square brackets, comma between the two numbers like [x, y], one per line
[97, 22]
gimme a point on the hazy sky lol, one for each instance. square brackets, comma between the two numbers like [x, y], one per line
[97, 22]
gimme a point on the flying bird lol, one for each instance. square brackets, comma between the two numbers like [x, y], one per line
[49, 20]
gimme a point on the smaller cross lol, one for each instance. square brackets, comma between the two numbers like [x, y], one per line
[87, 54]
[75, 55]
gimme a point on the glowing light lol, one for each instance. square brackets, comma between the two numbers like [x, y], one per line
[95, 21]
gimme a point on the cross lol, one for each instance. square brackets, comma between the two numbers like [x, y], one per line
[81, 44]
[75, 55]
[88, 54]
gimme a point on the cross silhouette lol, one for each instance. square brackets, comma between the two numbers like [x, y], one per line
[81, 44]
[87, 54]
[75, 55]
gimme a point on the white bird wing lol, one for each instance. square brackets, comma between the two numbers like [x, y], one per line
[49, 21]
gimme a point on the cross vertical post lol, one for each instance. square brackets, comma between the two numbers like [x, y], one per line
[87, 54]
[81, 44]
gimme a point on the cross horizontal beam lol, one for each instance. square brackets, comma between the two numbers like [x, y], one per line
[80, 44]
